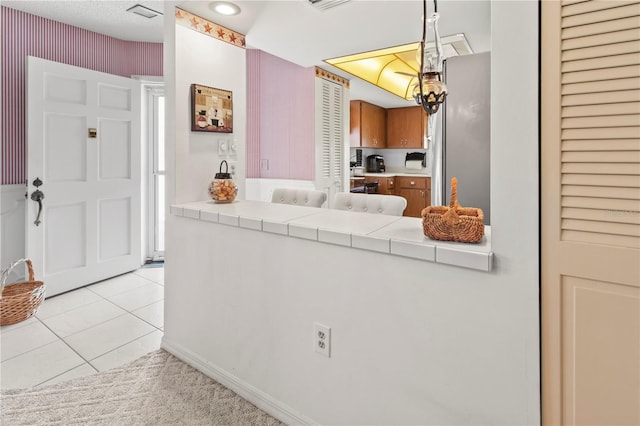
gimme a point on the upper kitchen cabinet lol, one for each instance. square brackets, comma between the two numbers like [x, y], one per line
[406, 127]
[368, 125]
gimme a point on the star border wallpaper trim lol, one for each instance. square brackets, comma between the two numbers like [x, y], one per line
[211, 29]
[322, 73]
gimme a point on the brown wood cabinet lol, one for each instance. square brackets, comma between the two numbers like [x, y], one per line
[406, 127]
[368, 125]
[355, 181]
[417, 191]
[386, 185]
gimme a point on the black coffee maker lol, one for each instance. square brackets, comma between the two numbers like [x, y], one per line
[375, 164]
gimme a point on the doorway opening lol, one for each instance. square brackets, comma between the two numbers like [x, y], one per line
[156, 173]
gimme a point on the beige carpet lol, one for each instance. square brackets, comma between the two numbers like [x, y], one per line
[157, 389]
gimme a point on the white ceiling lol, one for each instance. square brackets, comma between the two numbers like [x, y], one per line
[291, 29]
[104, 17]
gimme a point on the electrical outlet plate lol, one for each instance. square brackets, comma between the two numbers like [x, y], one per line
[322, 339]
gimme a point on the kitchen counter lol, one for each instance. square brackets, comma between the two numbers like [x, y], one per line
[394, 174]
[391, 235]
[391, 174]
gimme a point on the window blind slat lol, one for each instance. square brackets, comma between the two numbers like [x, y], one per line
[613, 181]
[601, 121]
[600, 63]
[597, 238]
[600, 168]
[602, 98]
[601, 204]
[601, 39]
[602, 133]
[620, 48]
[601, 192]
[601, 15]
[602, 86]
[600, 28]
[628, 229]
[601, 145]
[601, 157]
[601, 110]
[601, 74]
[570, 2]
[601, 215]
[592, 6]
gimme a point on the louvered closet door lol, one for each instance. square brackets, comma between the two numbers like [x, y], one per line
[591, 212]
[330, 145]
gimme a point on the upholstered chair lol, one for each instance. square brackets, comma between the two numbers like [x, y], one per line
[300, 197]
[370, 203]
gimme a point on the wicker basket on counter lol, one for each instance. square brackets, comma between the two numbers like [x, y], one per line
[453, 223]
[21, 300]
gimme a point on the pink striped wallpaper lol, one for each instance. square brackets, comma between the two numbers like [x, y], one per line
[253, 113]
[25, 35]
[280, 118]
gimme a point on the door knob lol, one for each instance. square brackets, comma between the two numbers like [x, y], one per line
[37, 196]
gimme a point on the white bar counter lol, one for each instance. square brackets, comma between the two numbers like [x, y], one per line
[393, 235]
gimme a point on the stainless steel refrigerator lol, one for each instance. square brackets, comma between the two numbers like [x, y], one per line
[465, 148]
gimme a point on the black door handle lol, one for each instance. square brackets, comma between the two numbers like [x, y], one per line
[37, 196]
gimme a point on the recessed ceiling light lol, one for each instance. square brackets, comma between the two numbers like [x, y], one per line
[139, 9]
[224, 8]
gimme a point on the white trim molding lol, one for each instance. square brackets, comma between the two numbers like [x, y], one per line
[260, 399]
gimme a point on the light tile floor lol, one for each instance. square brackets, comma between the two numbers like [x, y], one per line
[84, 331]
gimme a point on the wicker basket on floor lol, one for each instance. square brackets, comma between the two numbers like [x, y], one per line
[453, 223]
[20, 300]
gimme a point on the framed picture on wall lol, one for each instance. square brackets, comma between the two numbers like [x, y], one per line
[211, 109]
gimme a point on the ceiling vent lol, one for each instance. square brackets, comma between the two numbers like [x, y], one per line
[326, 4]
[141, 10]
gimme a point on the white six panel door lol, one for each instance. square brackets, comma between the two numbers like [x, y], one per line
[90, 225]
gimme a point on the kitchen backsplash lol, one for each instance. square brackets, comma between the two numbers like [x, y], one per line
[393, 158]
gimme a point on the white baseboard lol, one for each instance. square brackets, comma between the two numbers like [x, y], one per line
[255, 396]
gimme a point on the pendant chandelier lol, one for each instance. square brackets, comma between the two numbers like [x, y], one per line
[430, 91]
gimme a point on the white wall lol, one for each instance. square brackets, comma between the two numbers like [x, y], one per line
[514, 188]
[193, 159]
[414, 342]
[12, 229]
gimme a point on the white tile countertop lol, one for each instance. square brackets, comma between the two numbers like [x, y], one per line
[394, 235]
